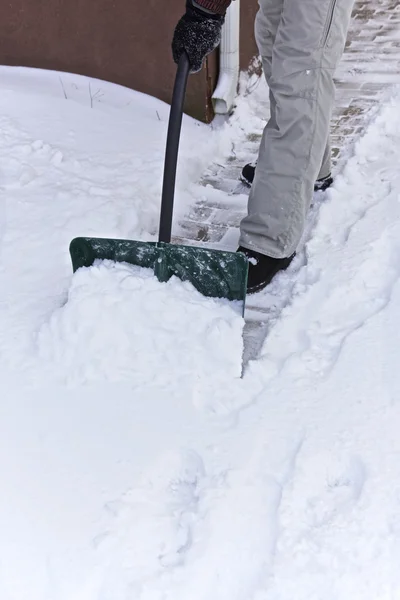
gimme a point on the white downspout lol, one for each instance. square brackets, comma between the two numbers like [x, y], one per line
[225, 92]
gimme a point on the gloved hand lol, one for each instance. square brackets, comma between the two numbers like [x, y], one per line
[198, 33]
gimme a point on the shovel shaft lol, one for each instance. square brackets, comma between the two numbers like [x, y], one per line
[171, 152]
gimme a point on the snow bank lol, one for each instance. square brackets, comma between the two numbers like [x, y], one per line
[121, 324]
[99, 147]
[78, 157]
[330, 372]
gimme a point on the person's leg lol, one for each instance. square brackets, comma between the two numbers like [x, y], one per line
[265, 28]
[324, 179]
[309, 43]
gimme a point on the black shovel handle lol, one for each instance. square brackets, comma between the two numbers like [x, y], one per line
[171, 152]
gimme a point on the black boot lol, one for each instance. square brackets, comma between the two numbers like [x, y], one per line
[262, 268]
[248, 173]
[322, 184]
[249, 170]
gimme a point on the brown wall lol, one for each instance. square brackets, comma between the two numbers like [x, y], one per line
[248, 48]
[123, 41]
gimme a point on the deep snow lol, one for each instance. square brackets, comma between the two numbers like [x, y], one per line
[135, 462]
[120, 324]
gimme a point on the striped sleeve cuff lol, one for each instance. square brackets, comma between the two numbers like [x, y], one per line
[216, 6]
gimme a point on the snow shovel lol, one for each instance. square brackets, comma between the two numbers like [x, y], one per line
[214, 273]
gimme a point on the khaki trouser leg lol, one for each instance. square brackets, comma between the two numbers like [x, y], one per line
[300, 52]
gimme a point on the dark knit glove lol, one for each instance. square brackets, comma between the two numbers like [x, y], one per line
[198, 33]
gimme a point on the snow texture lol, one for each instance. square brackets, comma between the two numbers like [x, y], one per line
[135, 462]
[152, 332]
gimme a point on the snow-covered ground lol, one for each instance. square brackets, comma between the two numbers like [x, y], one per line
[135, 463]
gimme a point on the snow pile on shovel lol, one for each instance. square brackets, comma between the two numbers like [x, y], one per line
[121, 324]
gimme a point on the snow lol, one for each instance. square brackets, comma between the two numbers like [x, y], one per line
[136, 463]
[152, 332]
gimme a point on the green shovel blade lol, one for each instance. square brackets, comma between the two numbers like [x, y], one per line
[214, 273]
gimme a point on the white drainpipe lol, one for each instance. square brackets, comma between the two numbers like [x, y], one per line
[225, 92]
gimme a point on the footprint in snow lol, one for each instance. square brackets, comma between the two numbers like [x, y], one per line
[342, 489]
[150, 527]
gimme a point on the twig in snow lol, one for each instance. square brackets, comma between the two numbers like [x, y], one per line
[94, 96]
[63, 89]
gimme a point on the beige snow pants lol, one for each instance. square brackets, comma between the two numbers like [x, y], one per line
[301, 43]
